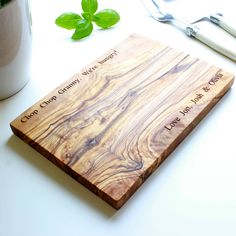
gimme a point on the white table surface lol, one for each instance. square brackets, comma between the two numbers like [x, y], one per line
[193, 192]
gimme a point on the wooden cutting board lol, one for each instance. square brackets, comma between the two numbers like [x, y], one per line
[113, 123]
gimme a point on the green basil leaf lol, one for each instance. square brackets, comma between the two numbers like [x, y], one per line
[90, 6]
[83, 29]
[106, 18]
[68, 20]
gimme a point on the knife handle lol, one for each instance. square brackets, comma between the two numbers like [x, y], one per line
[203, 37]
[224, 23]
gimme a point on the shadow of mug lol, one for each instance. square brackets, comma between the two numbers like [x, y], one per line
[15, 47]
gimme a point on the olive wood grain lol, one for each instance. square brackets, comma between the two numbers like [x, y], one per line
[113, 123]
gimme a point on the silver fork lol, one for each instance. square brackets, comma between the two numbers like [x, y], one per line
[217, 18]
[158, 13]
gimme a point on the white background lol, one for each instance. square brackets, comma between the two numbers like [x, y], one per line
[193, 192]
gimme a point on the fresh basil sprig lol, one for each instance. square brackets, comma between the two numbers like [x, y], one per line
[83, 24]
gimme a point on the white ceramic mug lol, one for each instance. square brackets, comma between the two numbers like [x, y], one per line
[15, 47]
